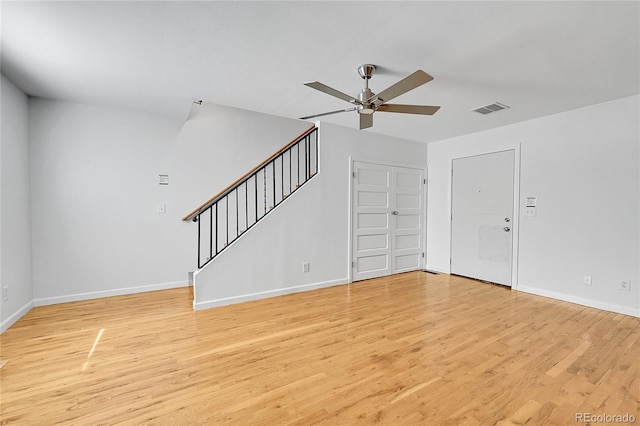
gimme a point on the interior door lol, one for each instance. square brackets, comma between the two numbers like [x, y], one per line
[387, 223]
[481, 216]
[407, 221]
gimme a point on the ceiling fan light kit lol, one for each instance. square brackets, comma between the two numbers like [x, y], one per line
[368, 102]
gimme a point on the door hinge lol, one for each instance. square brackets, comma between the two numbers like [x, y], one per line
[353, 174]
[423, 255]
[424, 181]
[353, 264]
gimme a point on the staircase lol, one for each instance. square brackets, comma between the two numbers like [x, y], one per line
[233, 211]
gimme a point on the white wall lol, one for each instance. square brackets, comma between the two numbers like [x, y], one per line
[311, 226]
[219, 144]
[95, 191]
[583, 166]
[15, 220]
[94, 196]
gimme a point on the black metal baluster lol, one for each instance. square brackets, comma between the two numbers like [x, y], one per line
[198, 220]
[298, 163]
[237, 219]
[306, 156]
[246, 204]
[310, 154]
[290, 171]
[217, 229]
[256, 195]
[226, 219]
[210, 232]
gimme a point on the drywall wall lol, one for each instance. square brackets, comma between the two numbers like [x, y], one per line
[94, 197]
[15, 219]
[219, 144]
[311, 226]
[95, 191]
[583, 167]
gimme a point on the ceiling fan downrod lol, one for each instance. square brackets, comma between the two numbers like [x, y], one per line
[366, 71]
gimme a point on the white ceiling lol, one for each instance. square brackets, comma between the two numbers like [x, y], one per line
[538, 57]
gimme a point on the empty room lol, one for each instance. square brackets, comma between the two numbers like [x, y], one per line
[317, 212]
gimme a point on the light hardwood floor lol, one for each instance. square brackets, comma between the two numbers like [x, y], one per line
[414, 349]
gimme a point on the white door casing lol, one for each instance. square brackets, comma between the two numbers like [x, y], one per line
[482, 214]
[387, 220]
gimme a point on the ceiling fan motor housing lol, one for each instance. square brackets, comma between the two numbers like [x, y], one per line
[363, 97]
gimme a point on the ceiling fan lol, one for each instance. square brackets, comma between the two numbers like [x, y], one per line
[367, 102]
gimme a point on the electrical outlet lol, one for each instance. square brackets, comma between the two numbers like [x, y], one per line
[5, 294]
[625, 285]
[587, 280]
[305, 267]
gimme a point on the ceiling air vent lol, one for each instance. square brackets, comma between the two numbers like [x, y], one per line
[488, 109]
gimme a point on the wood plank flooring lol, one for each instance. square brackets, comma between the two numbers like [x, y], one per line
[412, 349]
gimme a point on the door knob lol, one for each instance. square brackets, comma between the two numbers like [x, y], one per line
[507, 229]
[395, 213]
[506, 219]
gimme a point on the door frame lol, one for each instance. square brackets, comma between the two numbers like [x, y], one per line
[515, 222]
[352, 161]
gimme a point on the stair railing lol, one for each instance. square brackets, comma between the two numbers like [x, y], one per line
[237, 208]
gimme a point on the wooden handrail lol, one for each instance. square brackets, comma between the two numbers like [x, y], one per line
[215, 198]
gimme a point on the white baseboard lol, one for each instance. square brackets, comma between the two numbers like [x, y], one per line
[108, 293]
[581, 301]
[206, 304]
[15, 317]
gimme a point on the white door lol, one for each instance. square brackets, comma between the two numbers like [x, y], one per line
[387, 223]
[482, 215]
[407, 221]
